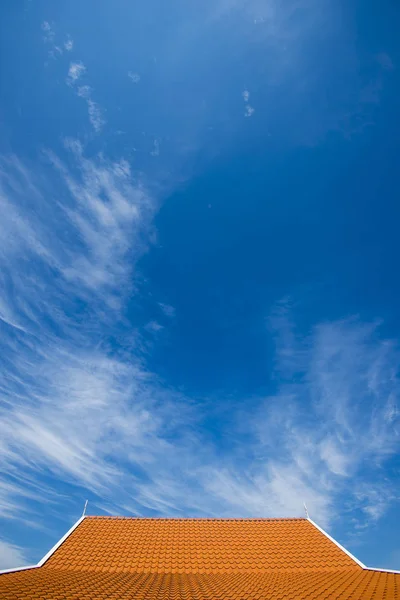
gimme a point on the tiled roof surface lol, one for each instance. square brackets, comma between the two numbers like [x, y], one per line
[198, 546]
[57, 584]
[198, 559]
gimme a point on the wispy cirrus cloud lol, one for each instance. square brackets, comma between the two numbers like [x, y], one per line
[79, 408]
[63, 395]
[96, 114]
[49, 37]
[85, 414]
[338, 407]
[94, 111]
[75, 71]
[324, 436]
[48, 32]
[167, 309]
[77, 404]
[102, 206]
[154, 326]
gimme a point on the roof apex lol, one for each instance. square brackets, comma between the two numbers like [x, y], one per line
[197, 518]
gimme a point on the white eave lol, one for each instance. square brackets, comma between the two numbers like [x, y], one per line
[47, 556]
[349, 553]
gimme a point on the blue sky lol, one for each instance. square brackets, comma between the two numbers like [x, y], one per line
[198, 249]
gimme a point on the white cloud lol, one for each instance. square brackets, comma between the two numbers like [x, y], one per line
[75, 71]
[88, 417]
[134, 77]
[84, 91]
[249, 110]
[48, 31]
[72, 432]
[154, 326]
[95, 112]
[310, 442]
[279, 490]
[168, 310]
[11, 556]
[85, 412]
[346, 377]
[67, 405]
[156, 148]
[50, 38]
[101, 209]
[334, 457]
[246, 95]
[69, 44]
[374, 501]
[95, 115]
[313, 440]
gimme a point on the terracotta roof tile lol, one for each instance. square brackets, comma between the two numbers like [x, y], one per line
[196, 559]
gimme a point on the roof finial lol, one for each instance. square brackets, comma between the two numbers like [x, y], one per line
[305, 508]
[84, 509]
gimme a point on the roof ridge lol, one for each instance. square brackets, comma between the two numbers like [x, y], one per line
[196, 518]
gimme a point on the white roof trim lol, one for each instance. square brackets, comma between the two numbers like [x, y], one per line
[54, 548]
[17, 569]
[337, 544]
[349, 553]
[47, 556]
[382, 570]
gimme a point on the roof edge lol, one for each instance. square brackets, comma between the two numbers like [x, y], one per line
[382, 570]
[15, 569]
[50, 552]
[58, 544]
[337, 544]
[349, 553]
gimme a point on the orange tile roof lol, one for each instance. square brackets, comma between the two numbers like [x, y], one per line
[198, 559]
[197, 546]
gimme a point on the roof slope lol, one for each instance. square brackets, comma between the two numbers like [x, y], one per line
[202, 559]
[197, 546]
[52, 584]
